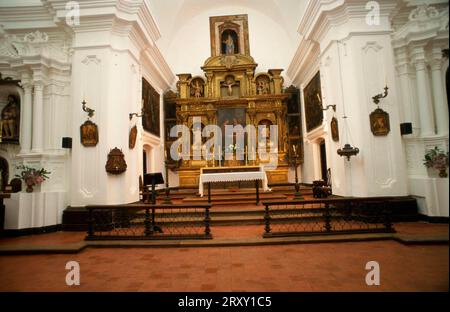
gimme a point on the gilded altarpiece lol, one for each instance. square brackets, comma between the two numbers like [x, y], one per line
[230, 85]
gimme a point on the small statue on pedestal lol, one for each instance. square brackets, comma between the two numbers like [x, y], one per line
[10, 118]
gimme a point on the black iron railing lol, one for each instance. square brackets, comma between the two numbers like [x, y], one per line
[328, 216]
[146, 221]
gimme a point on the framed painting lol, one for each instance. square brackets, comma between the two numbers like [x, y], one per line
[89, 134]
[293, 102]
[294, 125]
[132, 137]
[334, 126]
[230, 117]
[150, 120]
[379, 122]
[313, 103]
[229, 35]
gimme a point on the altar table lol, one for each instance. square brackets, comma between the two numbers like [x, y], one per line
[234, 174]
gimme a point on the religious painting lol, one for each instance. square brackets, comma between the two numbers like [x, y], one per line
[229, 35]
[170, 106]
[89, 134]
[313, 103]
[10, 120]
[293, 102]
[116, 162]
[379, 122]
[294, 125]
[334, 129]
[169, 125]
[151, 98]
[231, 117]
[132, 138]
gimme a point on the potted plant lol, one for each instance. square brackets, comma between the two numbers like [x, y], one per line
[437, 159]
[32, 176]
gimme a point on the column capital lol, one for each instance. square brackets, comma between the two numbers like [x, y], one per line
[436, 59]
[38, 85]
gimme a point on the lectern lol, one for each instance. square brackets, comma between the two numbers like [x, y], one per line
[153, 179]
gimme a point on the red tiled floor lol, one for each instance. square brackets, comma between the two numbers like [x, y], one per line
[310, 267]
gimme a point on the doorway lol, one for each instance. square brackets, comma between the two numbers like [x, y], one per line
[4, 173]
[323, 161]
[144, 162]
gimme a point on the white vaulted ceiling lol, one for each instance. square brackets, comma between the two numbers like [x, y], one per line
[185, 38]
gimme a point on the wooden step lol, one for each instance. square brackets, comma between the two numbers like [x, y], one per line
[234, 199]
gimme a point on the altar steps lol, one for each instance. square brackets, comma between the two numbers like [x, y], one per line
[235, 199]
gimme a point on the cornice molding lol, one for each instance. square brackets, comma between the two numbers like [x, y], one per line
[424, 23]
[323, 16]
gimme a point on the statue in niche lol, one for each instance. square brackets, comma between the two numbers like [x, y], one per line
[229, 42]
[262, 87]
[229, 83]
[197, 89]
[10, 119]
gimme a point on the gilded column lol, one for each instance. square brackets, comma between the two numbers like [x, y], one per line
[183, 85]
[277, 80]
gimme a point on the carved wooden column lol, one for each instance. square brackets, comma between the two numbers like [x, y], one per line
[209, 85]
[277, 80]
[183, 85]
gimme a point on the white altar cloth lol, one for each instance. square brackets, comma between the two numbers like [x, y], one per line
[233, 177]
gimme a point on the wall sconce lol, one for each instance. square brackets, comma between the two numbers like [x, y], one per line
[88, 110]
[348, 151]
[328, 106]
[138, 115]
[376, 98]
[141, 114]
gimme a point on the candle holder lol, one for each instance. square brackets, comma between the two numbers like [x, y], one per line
[167, 200]
[297, 194]
[376, 98]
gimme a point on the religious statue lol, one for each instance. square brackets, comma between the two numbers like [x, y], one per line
[10, 119]
[197, 89]
[229, 83]
[229, 45]
[262, 87]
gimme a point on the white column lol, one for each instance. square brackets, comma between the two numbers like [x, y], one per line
[25, 129]
[38, 118]
[423, 96]
[440, 105]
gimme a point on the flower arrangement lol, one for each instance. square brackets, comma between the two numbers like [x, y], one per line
[437, 159]
[231, 148]
[32, 176]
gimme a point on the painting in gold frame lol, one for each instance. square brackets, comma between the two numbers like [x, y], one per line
[379, 122]
[89, 134]
[334, 129]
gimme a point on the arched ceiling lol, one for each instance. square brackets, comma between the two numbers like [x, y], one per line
[272, 26]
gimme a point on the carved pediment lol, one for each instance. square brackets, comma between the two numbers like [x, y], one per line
[229, 62]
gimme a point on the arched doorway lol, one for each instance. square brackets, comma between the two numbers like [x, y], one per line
[4, 173]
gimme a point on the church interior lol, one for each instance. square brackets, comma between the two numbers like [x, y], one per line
[251, 128]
